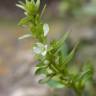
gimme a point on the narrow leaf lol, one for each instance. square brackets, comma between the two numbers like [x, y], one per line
[24, 21]
[70, 56]
[62, 40]
[38, 4]
[40, 71]
[46, 79]
[58, 44]
[25, 36]
[55, 84]
[20, 6]
[43, 11]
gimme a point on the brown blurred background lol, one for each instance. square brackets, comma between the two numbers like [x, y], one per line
[16, 58]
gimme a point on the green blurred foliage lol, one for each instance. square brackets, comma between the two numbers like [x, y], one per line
[70, 7]
[73, 8]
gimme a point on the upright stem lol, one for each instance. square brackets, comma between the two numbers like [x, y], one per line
[78, 92]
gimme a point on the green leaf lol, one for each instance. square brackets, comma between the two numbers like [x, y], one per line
[43, 10]
[64, 50]
[40, 70]
[69, 58]
[86, 77]
[57, 44]
[38, 4]
[41, 64]
[32, 1]
[55, 84]
[46, 79]
[62, 40]
[27, 1]
[24, 21]
[87, 73]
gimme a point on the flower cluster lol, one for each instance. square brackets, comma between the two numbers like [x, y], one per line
[32, 19]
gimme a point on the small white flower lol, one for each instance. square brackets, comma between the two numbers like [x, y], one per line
[45, 29]
[40, 48]
[36, 50]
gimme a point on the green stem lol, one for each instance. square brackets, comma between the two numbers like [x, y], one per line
[78, 93]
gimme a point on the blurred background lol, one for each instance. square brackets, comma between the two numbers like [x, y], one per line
[16, 59]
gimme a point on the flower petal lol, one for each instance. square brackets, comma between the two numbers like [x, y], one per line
[46, 29]
[36, 50]
[40, 49]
